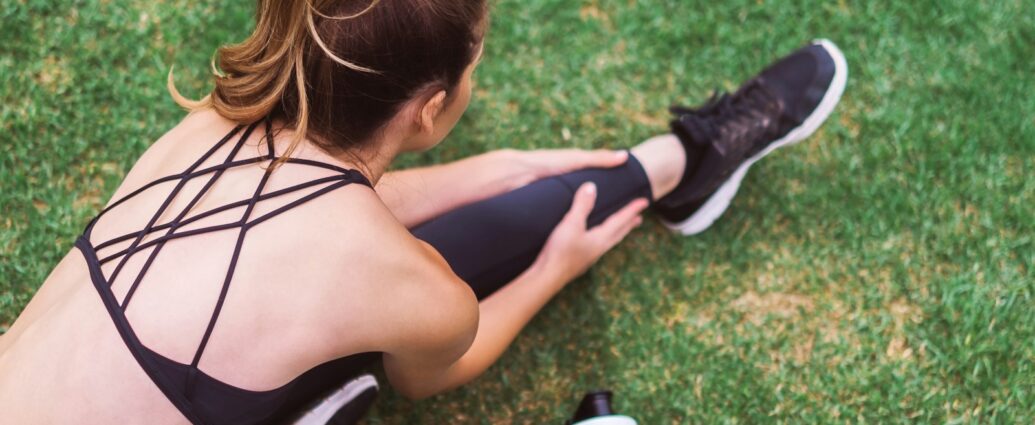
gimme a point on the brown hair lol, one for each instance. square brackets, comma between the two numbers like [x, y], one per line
[338, 70]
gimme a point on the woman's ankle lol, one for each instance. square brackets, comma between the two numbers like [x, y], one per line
[664, 160]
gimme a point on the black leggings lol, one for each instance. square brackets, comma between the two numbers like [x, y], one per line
[489, 243]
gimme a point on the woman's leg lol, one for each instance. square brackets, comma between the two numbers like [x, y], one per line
[491, 242]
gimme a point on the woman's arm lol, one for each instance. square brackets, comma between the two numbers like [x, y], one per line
[569, 251]
[419, 194]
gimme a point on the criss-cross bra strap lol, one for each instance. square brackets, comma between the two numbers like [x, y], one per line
[176, 190]
[174, 229]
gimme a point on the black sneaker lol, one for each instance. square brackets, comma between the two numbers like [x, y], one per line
[344, 406]
[783, 105]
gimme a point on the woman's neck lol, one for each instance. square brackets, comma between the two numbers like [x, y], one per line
[373, 163]
[372, 158]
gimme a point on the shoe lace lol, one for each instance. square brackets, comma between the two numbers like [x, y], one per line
[727, 122]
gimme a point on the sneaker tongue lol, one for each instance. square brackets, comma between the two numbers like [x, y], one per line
[696, 132]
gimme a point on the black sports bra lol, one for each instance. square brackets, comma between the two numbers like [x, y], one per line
[201, 398]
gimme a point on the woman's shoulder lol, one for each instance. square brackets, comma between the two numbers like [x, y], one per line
[361, 225]
[395, 280]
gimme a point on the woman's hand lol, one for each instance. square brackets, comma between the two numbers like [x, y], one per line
[417, 195]
[572, 248]
[525, 167]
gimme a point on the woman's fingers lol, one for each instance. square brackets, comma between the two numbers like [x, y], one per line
[624, 231]
[560, 161]
[571, 248]
[581, 205]
[602, 158]
[619, 224]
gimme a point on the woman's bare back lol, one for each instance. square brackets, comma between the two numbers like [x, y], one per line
[276, 321]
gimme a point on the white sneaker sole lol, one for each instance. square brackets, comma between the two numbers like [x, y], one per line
[325, 410]
[713, 208]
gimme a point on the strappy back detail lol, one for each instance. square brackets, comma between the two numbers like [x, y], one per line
[183, 384]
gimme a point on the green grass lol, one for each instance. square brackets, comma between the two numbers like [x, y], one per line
[879, 272]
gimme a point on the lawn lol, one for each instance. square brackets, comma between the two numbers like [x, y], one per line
[882, 271]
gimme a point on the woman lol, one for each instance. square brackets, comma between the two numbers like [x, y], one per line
[259, 254]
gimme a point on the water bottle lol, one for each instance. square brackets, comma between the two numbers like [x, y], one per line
[595, 409]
